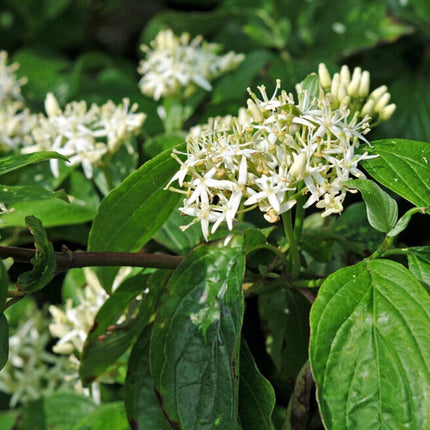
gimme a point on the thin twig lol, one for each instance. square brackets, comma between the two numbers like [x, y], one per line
[69, 260]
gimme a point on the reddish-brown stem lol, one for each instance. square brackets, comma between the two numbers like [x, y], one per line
[69, 260]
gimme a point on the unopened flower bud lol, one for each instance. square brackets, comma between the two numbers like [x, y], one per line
[324, 76]
[386, 113]
[345, 75]
[342, 92]
[335, 84]
[52, 107]
[378, 92]
[363, 89]
[355, 82]
[368, 108]
[382, 102]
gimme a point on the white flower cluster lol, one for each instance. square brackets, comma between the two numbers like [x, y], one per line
[31, 370]
[174, 66]
[16, 122]
[268, 156]
[73, 323]
[84, 134]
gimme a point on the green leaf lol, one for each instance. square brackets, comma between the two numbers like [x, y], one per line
[10, 194]
[403, 222]
[369, 348]
[419, 264]
[130, 215]
[4, 340]
[285, 318]
[110, 416]
[403, 166]
[141, 403]
[107, 339]
[52, 213]
[13, 162]
[44, 263]
[59, 411]
[381, 209]
[194, 345]
[256, 394]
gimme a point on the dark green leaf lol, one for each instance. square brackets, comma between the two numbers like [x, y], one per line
[256, 395]
[285, 317]
[110, 416]
[194, 345]
[59, 411]
[381, 209]
[108, 339]
[403, 166]
[369, 348]
[419, 264]
[130, 215]
[44, 263]
[13, 162]
[141, 403]
[4, 340]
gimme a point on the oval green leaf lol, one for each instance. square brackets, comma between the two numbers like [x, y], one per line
[403, 166]
[132, 213]
[381, 209]
[369, 348]
[129, 216]
[195, 339]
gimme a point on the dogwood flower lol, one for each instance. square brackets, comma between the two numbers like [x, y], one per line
[84, 134]
[33, 371]
[175, 66]
[276, 150]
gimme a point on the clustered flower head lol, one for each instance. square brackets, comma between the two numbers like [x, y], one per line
[175, 66]
[16, 122]
[84, 134]
[272, 153]
[32, 371]
[73, 323]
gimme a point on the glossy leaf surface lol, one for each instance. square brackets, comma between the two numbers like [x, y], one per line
[195, 340]
[403, 166]
[369, 349]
